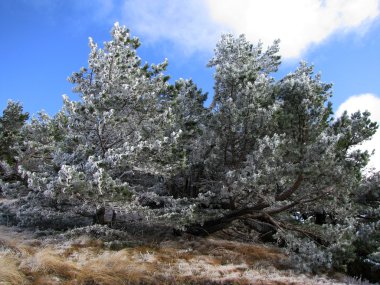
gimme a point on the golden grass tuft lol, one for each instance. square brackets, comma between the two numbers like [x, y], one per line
[9, 272]
[7, 244]
[227, 252]
[115, 268]
[83, 243]
[46, 262]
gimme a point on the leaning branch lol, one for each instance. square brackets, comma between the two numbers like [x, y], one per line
[324, 193]
[286, 194]
[217, 224]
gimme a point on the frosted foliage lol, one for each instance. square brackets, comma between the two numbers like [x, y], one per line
[266, 152]
[307, 255]
[120, 124]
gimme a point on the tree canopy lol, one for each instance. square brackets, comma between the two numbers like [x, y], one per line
[266, 153]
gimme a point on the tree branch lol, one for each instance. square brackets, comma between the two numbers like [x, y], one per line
[217, 224]
[325, 192]
[286, 194]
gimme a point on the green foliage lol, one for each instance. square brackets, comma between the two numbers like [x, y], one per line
[11, 123]
[11, 139]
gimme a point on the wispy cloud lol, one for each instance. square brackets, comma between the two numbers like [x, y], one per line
[186, 24]
[298, 23]
[197, 24]
[371, 103]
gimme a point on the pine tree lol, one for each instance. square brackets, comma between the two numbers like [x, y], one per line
[267, 152]
[11, 137]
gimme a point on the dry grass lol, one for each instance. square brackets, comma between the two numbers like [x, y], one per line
[49, 262]
[85, 261]
[236, 253]
[10, 273]
[115, 268]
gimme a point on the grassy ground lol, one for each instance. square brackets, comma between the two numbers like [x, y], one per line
[25, 259]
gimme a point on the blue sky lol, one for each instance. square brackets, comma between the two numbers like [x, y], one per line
[44, 41]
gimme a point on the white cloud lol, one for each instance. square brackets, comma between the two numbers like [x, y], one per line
[196, 25]
[299, 24]
[371, 103]
[187, 24]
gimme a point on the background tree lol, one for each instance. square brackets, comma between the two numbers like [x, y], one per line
[11, 137]
[190, 117]
[38, 155]
[366, 245]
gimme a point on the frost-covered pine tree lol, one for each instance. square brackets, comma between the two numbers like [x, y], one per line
[121, 128]
[11, 138]
[267, 152]
[38, 162]
[242, 102]
[190, 117]
[284, 155]
[365, 248]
